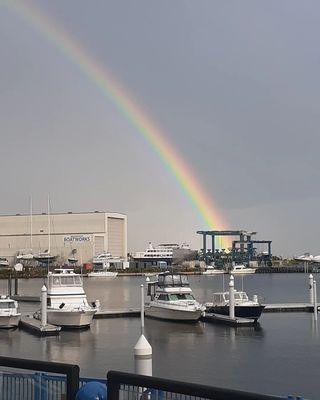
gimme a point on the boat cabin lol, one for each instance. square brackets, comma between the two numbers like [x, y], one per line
[170, 285]
[7, 304]
[222, 298]
[65, 287]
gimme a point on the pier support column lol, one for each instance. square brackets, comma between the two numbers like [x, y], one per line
[16, 286]
[311, 289]
[231, 297]
[204, 237]
[9, 285]
[315, 301]
[142, 350]
[43, 306]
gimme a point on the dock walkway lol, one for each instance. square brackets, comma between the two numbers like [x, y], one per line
[29, 323]
[288, 307]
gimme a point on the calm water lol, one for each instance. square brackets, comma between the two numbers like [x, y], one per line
[282, 356]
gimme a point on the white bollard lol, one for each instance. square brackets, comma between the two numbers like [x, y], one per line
[231, 297]
[315, 301]
[311, 289]
[143, 357]
[142, 350]
[43, 306]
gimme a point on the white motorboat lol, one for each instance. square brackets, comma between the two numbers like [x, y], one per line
[242, 269]
[172, 299]
[67, 302]
[9, 314]
[210, 270]
[102, 264]
[4, 262]
[244, 307]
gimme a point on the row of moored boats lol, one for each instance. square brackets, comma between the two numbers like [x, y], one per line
[171, 298]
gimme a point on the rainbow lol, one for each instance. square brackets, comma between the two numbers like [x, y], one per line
[112, 90]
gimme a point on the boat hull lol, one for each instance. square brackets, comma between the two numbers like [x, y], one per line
[172, 314]
[70, 319]
[243, 272]
[9, 321]
[216, 272]
[250, 312]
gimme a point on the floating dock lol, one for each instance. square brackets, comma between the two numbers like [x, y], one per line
[117, 313]
[288, 307]
[226, 320]
[34, 325]
[27, 299]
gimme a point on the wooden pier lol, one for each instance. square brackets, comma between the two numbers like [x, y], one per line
[288, 307]
[27, 299]
[34, 325]
[117, 313]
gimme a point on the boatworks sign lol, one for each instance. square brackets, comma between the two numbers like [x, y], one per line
[77, 239]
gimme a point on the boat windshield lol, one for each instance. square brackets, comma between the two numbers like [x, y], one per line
[181, 296]
[65, 280]
[7, 304]
[173, 280]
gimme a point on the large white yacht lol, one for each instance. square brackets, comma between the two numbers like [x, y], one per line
[67, 302]
[172, 299]
[161, 252]
[9, 314]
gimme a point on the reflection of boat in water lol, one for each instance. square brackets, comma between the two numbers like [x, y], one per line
[9, 314]
[242, 269]
[67, 301]
[244, 307]
[172, 299]
[210, 270]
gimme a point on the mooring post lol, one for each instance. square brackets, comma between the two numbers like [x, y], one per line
[311, 289]
[231, 297]
[16, 286]
[43, 306]
[315, 302]
[9, 285]
[142, 350]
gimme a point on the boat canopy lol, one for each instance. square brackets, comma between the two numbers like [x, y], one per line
[224, 296]
[171, 280]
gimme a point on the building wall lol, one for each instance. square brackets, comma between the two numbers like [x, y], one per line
[88, 233]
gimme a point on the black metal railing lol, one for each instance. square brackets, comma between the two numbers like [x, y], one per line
[125, 386]
[71, 371]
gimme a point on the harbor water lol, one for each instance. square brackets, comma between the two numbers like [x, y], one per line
[280, 356]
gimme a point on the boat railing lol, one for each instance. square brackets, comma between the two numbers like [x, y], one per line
[122, 385]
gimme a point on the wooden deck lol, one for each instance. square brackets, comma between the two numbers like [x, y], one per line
[226, 320]
[288, 307]
[117, 313]
[34, 325]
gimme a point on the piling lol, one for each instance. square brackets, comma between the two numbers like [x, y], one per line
[16, 286]
[231, 297]
[142, 350]
[315, 302]
[311, 288]
[43, 306]
[9, 285]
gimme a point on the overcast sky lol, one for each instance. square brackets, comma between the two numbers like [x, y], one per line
[234, 85]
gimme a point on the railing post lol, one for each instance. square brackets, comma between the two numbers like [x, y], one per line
[113, 388]
[73, 383]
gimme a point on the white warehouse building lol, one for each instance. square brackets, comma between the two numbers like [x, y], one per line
[83, 234]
